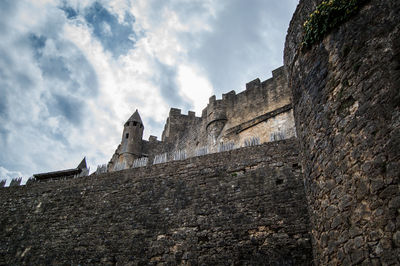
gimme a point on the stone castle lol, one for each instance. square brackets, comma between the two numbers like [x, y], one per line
[262, 113]
[328, 194]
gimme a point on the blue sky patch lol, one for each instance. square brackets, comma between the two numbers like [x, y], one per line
[69, 11]
[166, 82]
[67, 106]
[3, 106]
[118, 38]
[55, 67]
[37, 43]
[115, 37]
[68, 65]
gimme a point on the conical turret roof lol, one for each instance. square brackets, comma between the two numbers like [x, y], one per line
[82, 165]
[135, 118]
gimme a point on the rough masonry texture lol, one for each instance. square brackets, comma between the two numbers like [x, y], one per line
[253, 205]
[346, 96]
[241, 207]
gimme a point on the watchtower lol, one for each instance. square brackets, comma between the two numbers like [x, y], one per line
[131, 143]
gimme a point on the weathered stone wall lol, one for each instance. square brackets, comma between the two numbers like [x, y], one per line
[221, 117]
[182, 131]
[259, 98]
[242, 207]
[277, 127]
[346, 96]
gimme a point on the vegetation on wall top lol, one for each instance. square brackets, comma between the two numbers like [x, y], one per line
[327, 16]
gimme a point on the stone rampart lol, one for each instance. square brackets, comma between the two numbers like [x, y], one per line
[346, 97]
[242, 207]
[220, 119]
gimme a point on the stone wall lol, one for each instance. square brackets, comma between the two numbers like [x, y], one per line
[220, 119]
[242, 207]
[182, 131]
[346, 96]
[261, 113]
[258, 99]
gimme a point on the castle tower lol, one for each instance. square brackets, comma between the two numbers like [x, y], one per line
[132, 135]
[131, 144]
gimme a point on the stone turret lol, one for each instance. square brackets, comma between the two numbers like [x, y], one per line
[216, 119]
[132, 135]
[131, 144]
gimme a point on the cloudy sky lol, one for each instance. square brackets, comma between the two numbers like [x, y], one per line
[73, 71]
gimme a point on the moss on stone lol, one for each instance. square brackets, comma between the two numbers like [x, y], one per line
[327, 16]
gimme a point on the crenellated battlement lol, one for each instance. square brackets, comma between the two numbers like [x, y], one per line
[253, 84]
[174, 112]
[216, 108]
[259, 101]
[262, 110]
[177, 113]
[253, 90]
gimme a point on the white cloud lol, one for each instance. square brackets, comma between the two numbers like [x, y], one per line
[195, 87]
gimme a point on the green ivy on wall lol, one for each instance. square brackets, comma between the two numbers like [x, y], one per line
[327, 16]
